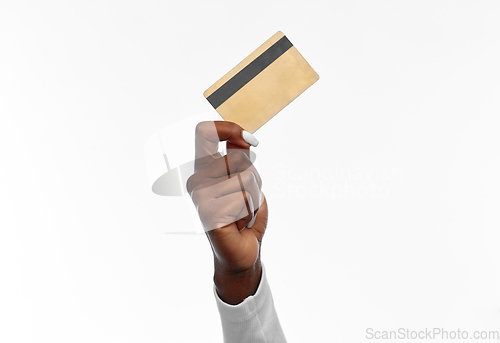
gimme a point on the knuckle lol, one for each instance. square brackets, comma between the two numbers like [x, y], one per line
[201, 127]
[207, 130]
[197, 196]
[248, 178]
[191, 183]
[238, 158]
[205, 210]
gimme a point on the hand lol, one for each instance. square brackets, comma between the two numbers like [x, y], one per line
[226, 191]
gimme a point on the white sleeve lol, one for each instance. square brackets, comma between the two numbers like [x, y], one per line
[254, 320]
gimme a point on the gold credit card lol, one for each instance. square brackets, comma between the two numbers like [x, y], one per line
[262, 84]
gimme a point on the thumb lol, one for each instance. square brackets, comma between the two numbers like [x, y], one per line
[210, 133]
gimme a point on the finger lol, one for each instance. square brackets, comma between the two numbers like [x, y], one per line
[199, 184]
[250, 209]
[210, 133]
[221, 212]
[244, 181]
[259, 226]
[220, 169]
[235, 161]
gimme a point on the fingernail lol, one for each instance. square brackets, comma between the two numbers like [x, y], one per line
[250, 139]
[250, 224]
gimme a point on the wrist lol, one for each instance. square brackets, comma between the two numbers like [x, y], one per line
[234, 286]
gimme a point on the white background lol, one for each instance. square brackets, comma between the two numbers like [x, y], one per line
[407, 104]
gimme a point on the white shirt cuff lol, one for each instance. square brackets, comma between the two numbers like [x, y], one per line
[253, 320]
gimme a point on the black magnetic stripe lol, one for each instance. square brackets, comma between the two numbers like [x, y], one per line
[244, 76]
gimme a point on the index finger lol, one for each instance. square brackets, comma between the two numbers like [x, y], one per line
[210, 133]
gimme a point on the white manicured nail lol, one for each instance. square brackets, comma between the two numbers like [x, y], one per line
[250, 224]
[250, 139]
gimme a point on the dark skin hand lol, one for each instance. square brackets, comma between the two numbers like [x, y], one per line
[237, 281]
[227, 193]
